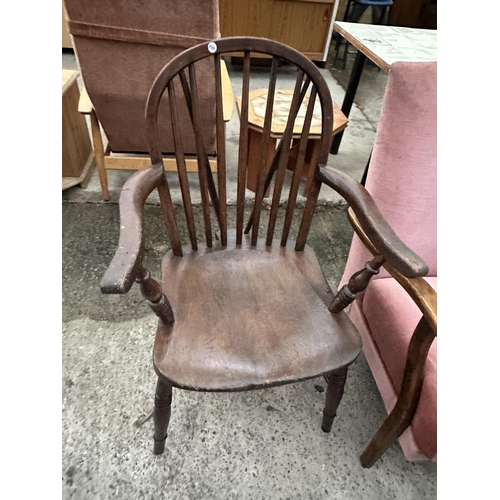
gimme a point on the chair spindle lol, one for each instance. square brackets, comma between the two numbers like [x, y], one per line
[297, 174]
[266, 135]
[221, 151]
[181, 165]
[243, 150]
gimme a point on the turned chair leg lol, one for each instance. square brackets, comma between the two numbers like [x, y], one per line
[161, 414]
[336, 382]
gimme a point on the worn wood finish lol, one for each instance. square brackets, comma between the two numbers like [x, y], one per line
[249, 316]
[305, 224]
[151, 291]
[256, 124]
[424, 296]
[294, 188]
[181, 165]
[169, 217]
[413, 379]
[266, 135]
[279, 152]
[334, 392]
[249, 312]
[200, 147]
[284, 152]
[246, 45]
[124, 267]
[357, 284]
[243, 149]
[161, 414]
[203, 163]
[373, 223]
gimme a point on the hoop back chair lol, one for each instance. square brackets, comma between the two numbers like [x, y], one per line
[246, 310]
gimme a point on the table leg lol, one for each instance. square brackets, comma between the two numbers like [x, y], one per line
[365, 173]
[352, 86]
[254, 158]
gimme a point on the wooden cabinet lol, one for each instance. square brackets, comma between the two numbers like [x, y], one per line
[305, 25]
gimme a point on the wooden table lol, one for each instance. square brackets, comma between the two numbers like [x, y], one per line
[384, 45]
[281, 109]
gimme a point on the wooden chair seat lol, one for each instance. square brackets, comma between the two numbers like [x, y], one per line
[249, 317]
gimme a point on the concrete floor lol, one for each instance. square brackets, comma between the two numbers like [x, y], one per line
[261, 444]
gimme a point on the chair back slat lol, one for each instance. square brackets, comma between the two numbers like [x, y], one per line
[191, 95]
[181, 165]
[243, 150]
[297, 98]
[266, 136]
[294, 188]
[274, 165]
[169, 217]
[221, 151]
[279, 117]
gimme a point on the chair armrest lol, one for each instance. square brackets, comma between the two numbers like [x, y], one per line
[424, 296]
[379, 232]
[123, 270]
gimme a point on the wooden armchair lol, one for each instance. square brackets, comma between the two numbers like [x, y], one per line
[247, 310]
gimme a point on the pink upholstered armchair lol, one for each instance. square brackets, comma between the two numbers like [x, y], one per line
[397, 316]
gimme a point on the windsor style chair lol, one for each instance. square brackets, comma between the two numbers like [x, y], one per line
[244, 311]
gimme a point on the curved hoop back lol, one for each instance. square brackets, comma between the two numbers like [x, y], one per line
[182, 76]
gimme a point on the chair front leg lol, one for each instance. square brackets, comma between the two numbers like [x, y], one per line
[336, 382]
[161, 414]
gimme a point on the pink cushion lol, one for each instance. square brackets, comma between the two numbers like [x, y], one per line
[402, 173]
[392, 317]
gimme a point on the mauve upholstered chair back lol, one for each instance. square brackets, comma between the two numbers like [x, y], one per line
[121, 45]
[402, 176]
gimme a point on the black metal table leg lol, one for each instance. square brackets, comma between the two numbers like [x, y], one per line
[352, 86]
[365, 173]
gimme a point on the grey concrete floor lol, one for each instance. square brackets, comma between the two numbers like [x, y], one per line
[258, 445]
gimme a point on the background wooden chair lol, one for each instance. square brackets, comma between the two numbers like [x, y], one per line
[242, 311]
[120, 48]
[397, 316]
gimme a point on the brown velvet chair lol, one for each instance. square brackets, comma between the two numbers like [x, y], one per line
[244, 310]
[120, 48]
